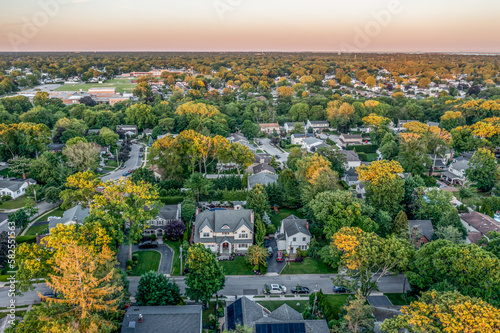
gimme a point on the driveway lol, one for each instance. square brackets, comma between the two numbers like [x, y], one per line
[167, 255]
[272, 265]
[132, 163]
[273, 150]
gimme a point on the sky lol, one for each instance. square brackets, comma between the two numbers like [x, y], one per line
[251, 25]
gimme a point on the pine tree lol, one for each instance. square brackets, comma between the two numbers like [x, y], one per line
[400, 226]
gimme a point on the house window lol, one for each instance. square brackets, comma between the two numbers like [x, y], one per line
[303, 239]
[243, 235]
[243, 245]
[225, 233]
[294, 239]
[206, 234]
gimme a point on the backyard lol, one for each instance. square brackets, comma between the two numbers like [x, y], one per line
[238, 266]
[122, 85]
[283, 213]
[14, 204]
[309, 266]
[147, 261]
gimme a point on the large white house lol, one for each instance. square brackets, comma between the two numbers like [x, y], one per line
[293, 234]
[225, 230]
[15, 187]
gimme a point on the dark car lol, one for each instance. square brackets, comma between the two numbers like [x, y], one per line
[340, 289]
[277, 156]
[49, 294]
[279, 256]
[148, 244]
[300, 290]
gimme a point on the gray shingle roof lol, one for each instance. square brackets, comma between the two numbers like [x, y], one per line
[167, 319]
[285, 312]
[424, 228]
[263, 166]
[15, 184]
[76, 213]
[293, 225]
[170, 212]
[216, 219]
[263, 178]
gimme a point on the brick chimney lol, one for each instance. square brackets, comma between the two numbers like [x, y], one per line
[307, 225]
[140, 317]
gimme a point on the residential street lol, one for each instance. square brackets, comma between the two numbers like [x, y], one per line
[42, 208]
[235, 285]
[271, 149]
[132, 163]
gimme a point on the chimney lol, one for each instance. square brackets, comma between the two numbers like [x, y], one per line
[140, 317]
[307, 225]
[24, 175]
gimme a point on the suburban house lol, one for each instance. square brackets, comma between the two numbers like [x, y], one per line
[166, 214]
[225, 230]
[74, 215]
[432, 123]
[421, 231]
[311, 144]
[400, 127]
[299, 137]
[245, 312]
[241, 139]
[289, 126]
[293, 234]
[438, 162]
[15, 187]
[126, 130]
[56, 147]
[352, 158]
[263, 178]
[318, 126]
[269, 128]
[261, 164]
[350, 177]
[360, 189]
[163, 319]
[478, 225]
[456, 170]
[350, 139]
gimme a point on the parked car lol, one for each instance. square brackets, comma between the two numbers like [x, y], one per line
[340, 289]
[277, 156]
[300, 290]
[140, 155]
[127, 173]
[148, 244]
[270, 250]
[49, 294]
[274, 289]
[279, 256]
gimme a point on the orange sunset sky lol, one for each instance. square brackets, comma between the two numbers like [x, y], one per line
[250, 25]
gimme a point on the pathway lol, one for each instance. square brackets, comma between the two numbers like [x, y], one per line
[167, 254]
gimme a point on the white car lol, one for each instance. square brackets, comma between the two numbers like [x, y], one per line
[275, 289]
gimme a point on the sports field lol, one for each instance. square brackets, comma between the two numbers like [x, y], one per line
[122, 85]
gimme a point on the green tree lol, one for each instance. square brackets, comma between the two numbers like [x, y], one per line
[260, 231]
[400, 226]
[358, 317]
[141, 115]
[257, 200]
[257, 256]
[482, 169]
[156, 289]
[205, 276]
[450, 233]
[250, 129]
[299, 112]
[491, 242]
[20, 218]
[198, 185]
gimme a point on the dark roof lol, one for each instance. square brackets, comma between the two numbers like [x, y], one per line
[481, 222]
[351, 155]
[15, 184]
[170, 212]
[293, 225]
[263, 178]
[280, 328]
[285, 312]
[352, 136]
[302, 135]
[378, 301]
[263, 166]
[56, 146]
[167, 319]
[217, 219]
[243, 312]
[424, 228]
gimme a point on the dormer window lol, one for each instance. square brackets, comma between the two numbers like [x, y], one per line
[225, 226]
[206, 234]
[243, 234]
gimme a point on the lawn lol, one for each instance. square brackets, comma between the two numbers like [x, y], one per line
[273, 305]
[57, 212]
[18, 314]
[37, 229]
[371, 157]
[176, 264]
[148, 261]
[309, 266]
[283, 213]
[336, 302]
[396, 298]
[14, 204]
[121, 84]
[238, 266]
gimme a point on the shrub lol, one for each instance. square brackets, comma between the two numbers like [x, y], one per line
[26, 239]
[174, 230]
[135, 257]
[6, 198]
[130, 263]
[153, 237]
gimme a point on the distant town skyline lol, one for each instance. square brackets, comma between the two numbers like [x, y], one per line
[257, 25]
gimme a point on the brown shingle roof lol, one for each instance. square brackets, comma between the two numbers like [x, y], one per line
[483, 223]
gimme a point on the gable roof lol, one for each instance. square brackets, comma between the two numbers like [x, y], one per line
[263, 166]
[481, 222]
[170, 212]
[263, 178]
[172, 319]
[351, 155]
[15, 184]
[215, 219]
[285, 312]
[311, 141]
[424, 228]
[292, 225]
[243, 312]
[74, 214]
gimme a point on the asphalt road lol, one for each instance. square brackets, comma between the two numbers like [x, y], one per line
[132, 163]
[271, 149]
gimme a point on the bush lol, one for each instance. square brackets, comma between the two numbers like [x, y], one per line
[135, 257]
[6, 198]
[130, 262]
[362, 156]
[31, 239]
[271, 229]
[363, 148]
[171, 200]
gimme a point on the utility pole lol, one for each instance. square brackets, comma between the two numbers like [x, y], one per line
[180, 248]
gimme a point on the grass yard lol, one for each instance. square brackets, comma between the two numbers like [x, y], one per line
[396, 298]
[176, 264]
[238, 266]
[283, 213]
[57, 212]
[14, 204]
[18, 314]
[336, 302]
[308, 266]
[273, 305]
[148, 261]
[121, 84]
[37, 229]
[371, 157]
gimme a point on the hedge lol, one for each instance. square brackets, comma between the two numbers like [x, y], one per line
[363, 148]
[171, 200]
[30, 239]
